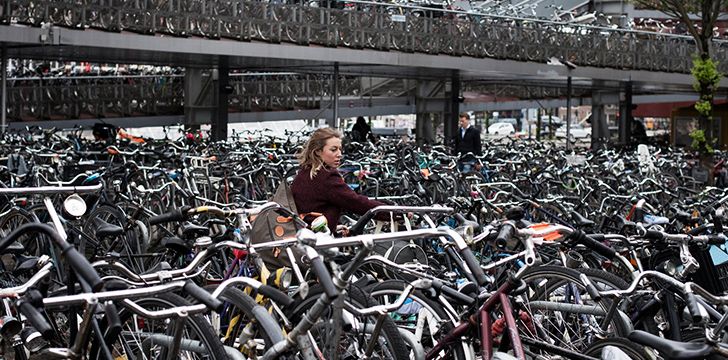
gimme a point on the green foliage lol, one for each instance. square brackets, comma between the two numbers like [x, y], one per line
[706, 74]
[700, 143]
[703, 107]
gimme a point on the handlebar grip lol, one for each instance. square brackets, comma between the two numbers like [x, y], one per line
[716, 239]
[692, 304]
[505, 234]
[717, 224]
[456, 295]
[36, 319]
[599, 247]
[324, 277]
[203, 296]
[597, 237]
[83, 268]
[172, 216]
[474, 266]
[653, 235]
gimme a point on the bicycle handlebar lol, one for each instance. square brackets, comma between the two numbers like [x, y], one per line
[51, 190]
[358, 227]
[713, 239]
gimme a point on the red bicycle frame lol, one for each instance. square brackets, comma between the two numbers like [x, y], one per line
[483, 318]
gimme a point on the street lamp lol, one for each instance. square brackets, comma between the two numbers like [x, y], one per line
[569, 67]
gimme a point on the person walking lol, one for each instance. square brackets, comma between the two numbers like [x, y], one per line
[467, 143]
[361, 131]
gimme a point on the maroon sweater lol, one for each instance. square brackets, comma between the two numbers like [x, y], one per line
[327, 193]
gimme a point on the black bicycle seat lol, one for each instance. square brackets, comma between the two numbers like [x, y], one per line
[15, 248]
[24, 264]
[176, 244]
[190, 230]
[104, 229]
[581, 221]
[670, 349]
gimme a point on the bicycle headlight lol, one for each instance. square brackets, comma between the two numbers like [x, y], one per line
[467, 233]
[74, 205]
[667, 267]
[284, 276]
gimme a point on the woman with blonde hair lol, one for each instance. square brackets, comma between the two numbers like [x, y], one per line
[318, 186]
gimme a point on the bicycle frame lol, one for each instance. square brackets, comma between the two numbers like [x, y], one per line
[482, 317]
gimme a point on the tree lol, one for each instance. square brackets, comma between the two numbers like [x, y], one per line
[705, 69]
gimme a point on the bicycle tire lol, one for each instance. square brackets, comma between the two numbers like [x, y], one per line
[270, 331]
[546, 282]
[127, 245]
[634, 351]
[396, 347]
[203, 331]
[443, 319]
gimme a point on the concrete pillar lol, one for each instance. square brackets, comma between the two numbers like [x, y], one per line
[424, 129]
[333, 121]
[220, 123]
[3, 89]
[199, 97]
[600, 129]
[453, 106]
[625, 115]
[568, 113]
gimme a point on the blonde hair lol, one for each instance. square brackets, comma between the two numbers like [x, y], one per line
[308, 155]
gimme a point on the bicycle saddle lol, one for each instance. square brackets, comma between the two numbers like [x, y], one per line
[581, 221]
[190, 230]
[176, 244]
[104, 229]
[24, 263]
[15, 248]
[670, 349]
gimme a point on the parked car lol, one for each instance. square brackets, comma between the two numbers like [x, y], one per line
[501, 129]
[577, 132]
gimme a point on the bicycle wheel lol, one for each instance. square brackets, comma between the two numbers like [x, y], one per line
[424, 317]
[127, 245]
[144, 338]
[34, 244]
[357, 335]
[552, 293]
[243, 317]
[634, 351]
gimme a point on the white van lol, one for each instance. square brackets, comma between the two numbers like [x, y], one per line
[501, 128]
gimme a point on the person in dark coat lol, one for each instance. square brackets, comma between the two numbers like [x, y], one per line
[361, 131]
[318, 186]
[467, 140]
[639, 132]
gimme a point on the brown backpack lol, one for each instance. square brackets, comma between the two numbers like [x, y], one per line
[270, 226]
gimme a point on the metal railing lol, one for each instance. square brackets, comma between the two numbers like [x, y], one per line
[377, 26]
[78, 97]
